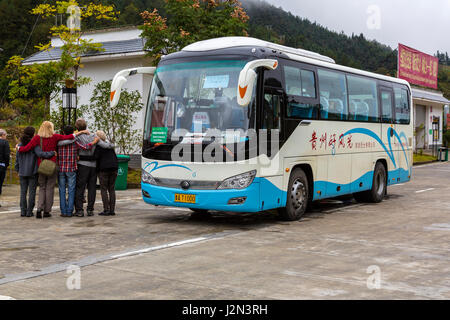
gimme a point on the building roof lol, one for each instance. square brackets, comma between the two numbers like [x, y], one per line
[110, 47]
[435, 96]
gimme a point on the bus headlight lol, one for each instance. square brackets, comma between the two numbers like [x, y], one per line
[147, 178]
[240, 181]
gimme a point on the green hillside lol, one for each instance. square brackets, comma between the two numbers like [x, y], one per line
[266, 22]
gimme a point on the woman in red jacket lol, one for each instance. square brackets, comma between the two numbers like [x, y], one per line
[46, 184]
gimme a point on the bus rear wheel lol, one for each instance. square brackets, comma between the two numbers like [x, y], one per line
[379, 186]
[297, 197]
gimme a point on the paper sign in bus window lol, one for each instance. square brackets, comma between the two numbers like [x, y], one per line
[213, 82]
[159, 135]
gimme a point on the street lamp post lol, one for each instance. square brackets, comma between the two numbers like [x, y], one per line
[69, 102]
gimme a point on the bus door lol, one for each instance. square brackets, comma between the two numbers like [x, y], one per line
[402, 117]
[387, 131]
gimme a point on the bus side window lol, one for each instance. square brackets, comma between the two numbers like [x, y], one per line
[402, 108]
[386, 106]
[333, 95]
[301, 91]
[362, 95]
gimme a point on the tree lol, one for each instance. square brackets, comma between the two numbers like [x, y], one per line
[33, 86]
[117, 122]
[190, 21]
[74, 45]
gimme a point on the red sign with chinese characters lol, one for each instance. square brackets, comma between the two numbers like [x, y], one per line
[417, 67]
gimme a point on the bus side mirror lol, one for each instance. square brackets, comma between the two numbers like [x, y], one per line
[247, 79]
[121, 78]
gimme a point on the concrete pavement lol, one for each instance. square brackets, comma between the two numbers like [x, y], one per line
[338, 251]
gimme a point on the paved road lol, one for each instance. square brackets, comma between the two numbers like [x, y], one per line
[339, 250]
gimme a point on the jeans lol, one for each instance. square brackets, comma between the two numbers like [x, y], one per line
[67, 180]
[86, 176]
[28, 186]
[107, 184]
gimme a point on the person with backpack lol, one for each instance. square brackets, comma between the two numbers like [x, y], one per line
[107, 167]
[26, 166]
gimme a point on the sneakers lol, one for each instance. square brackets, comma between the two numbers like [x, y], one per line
[79, 214]
[47, 215]
[104, 213]
[90, 213]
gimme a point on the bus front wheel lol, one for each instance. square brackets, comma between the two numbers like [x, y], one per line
[297, 197]
[379, 186]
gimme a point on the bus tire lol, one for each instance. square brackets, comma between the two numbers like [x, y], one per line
[379, 186]
[297, 197]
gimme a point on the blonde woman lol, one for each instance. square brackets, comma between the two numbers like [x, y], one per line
[49, 139]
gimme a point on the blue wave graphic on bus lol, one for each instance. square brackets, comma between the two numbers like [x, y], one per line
[154, 166]
[389, 151]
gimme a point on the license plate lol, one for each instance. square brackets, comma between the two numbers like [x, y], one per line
[186, 198]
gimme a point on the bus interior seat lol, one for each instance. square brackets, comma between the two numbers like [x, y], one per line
[337, 107]
[295, 91]
[300, 110]
[362, 113]
[324, 107]
[373, 110]
[352, 109]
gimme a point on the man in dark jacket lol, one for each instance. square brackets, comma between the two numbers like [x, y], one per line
[86, 175]
[107, 167]
[4, 157]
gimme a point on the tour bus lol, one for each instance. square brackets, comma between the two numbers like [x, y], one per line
[322, 130]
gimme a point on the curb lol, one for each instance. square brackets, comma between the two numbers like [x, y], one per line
[425, 162]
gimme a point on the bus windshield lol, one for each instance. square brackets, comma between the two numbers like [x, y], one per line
[196, 97]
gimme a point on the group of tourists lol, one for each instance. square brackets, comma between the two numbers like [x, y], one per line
[74, 159]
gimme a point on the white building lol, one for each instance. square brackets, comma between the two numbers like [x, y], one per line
[123, 49]
[428, 113]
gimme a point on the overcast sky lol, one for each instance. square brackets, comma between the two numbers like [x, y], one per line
[421, 24]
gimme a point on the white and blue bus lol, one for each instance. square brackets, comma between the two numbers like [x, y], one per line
[329, 130]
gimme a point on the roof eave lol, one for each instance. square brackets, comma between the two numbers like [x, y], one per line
[100, 57]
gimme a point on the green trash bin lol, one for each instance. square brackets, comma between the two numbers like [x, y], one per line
[122, 173]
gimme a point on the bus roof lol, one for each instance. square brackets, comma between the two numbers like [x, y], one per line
[293, 53]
